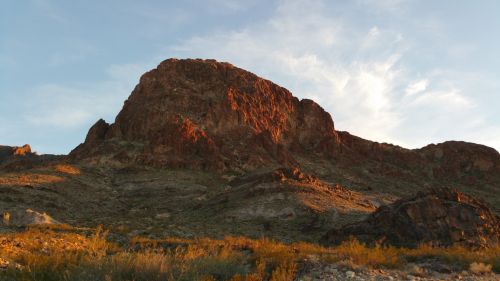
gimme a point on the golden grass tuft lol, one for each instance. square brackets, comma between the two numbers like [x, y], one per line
[29, 179]
[480, 268]
[67, 169]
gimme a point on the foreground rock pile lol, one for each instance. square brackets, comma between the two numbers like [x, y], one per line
[441, 217]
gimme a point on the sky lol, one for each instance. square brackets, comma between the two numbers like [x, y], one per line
[407, 72]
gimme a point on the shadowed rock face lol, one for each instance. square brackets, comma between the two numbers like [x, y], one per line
[442, 217]
[206, 114]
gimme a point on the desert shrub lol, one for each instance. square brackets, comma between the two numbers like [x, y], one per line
[480, 268]
[357, 253]
[284, 272]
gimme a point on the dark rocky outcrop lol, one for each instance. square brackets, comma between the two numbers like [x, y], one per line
[441, 217]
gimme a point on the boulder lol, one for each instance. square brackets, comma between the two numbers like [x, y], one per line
[440, 217]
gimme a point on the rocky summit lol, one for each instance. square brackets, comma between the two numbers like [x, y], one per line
[209, 115]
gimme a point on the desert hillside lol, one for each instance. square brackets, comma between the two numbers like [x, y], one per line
[205, 150]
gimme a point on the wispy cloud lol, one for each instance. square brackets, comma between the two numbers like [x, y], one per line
[417, 87]
[360, 75]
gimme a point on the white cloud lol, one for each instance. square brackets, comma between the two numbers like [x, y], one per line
[446, 100]
[417, 87]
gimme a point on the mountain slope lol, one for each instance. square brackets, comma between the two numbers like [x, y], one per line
[203, 114]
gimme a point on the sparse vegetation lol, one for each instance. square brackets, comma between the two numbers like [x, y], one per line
[52, 253]
[67, 169]
[480, 268]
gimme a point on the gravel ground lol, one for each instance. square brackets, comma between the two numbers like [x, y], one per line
[318, 272]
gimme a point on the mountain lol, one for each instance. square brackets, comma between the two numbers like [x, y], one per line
[208, 115]
[204, 148]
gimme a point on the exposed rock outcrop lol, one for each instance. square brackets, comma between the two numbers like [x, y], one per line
[441, 217]
[10, 152]
[14, 158]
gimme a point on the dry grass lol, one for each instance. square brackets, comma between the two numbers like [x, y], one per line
[67, 169]
[65, 254]
[480, 268]
[29, 179]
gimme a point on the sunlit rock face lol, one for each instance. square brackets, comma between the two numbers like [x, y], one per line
[13, 151]
[207, 114]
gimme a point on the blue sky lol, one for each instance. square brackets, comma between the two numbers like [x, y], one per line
[409, 72]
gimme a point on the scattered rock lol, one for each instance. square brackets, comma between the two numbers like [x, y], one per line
[162, 216]
[350, 274]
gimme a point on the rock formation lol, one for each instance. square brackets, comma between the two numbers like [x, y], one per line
[13, 158]
[9, 152]
[206, 114]
[441, 217]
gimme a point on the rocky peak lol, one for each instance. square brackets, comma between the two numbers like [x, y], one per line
[208, 114]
